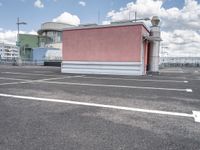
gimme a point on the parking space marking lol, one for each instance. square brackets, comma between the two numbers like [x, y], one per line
[33, 81]
[43, 72]
[153, 80]
[15, 79]
[65, 77]
[168, 77]
[194, 114]
[126, 79]
[30, 74]
[173, 71]
[118, 86]
[14, 83]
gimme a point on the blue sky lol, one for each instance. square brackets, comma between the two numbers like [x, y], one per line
[180, 19]
[25, 9]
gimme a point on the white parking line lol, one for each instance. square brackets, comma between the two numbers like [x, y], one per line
[30, 74]
[172, 71]
[170, 77]
[195, 114]
[83, 76]
[66, 77]
[125, 79]
[33, 81]
[118, 86]
[15, 79]
[43, 72]
[14, 83]
[48, 80]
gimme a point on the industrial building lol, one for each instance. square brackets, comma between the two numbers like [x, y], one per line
[122, 48]
[26, 43]
[50, 34]
[50, 43]
[44, 47]
[8, 51]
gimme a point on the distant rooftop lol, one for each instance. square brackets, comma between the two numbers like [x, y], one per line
[54, 26]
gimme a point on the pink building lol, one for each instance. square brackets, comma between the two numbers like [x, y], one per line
[119, 49]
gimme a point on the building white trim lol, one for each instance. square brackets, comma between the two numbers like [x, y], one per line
[93, 67]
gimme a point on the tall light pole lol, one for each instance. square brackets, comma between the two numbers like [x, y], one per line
[18, 43]
[18, 24]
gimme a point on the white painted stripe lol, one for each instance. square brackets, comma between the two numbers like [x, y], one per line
[100, 105]
[43, 72]
[172, 71]
[14, 83]
[126, 79]
[30, 74]
[169, 77]
[5, 78]
[118, 86]
[188, 90]
[49, 79]
[34, 81]
[34, 74]
[196, 115]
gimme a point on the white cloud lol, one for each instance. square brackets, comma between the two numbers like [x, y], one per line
[67, 18]
[82, 3]
[32, 32]
[180, 25]
[105, 22]
[1, 4]
[181, 42]
[38, 4]
[10, 36]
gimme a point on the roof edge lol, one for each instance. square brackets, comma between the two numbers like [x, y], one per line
[107, 26]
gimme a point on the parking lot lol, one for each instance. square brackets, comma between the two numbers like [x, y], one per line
[42, 109]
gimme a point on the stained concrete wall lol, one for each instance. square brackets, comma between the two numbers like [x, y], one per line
[118, 44]
[113, 45]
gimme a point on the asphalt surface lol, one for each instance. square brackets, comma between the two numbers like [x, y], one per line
[43, 125]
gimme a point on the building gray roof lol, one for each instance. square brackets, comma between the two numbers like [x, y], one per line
[53, 26]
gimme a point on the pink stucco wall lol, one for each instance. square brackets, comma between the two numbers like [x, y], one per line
[111, 44]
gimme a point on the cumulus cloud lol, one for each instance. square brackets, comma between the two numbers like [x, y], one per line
[181, 42]
[10, 36]
[38, 4]
[67, 18]
[179, 25]
[82, 3]
[106, 22]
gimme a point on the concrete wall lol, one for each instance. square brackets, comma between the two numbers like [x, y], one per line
[103, 44]
[27, 42]
[112, 47]
[46, 54]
